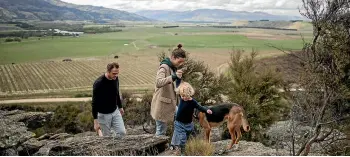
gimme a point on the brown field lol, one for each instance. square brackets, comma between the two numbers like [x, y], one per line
[137, 71]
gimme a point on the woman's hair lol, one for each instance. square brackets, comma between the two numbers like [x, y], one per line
[179, 52]
[185, 89]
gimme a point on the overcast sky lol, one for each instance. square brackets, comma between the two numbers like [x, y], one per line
[278, 7]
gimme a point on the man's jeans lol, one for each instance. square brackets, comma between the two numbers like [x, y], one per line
[111, 124]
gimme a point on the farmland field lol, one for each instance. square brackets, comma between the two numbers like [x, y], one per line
[38, 68]
[51, 76]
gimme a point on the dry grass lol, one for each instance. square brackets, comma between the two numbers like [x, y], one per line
[145, 152]
[198, 147]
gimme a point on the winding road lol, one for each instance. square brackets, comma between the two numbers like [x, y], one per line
[40, 100]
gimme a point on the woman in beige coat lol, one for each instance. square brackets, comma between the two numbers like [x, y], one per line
[165, 99]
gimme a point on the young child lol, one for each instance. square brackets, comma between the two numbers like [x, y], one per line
[183, 124]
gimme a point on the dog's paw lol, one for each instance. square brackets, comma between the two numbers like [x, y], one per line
[232, 148]
[236, 147]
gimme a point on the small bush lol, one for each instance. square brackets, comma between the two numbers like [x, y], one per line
[39, 131]
[85, 120]
[199, 147]
[17, 39]
[137, 113]
[9, 40]
[13, 39]
[71, 119]
[81, 95]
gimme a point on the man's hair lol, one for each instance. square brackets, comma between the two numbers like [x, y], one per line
[110, 66]
[179, 52]
[185, 89]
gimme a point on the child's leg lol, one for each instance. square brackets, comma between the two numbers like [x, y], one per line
[178, 133]
[175, 139]
[188, 129]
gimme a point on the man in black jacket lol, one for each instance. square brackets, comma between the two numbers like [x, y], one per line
[107, 108]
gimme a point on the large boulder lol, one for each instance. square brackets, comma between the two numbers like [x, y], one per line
[13, 133]
[32, 120]
[15, 139]
[93, 145]
[30, 147]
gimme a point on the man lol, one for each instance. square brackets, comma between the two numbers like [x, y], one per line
[107, 108]
[164, 101]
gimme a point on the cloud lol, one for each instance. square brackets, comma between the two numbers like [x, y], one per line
[284, 7]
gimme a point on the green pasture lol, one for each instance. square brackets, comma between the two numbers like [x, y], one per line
[137, 38]
[225, 41]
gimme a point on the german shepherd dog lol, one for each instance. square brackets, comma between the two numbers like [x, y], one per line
[232, 113]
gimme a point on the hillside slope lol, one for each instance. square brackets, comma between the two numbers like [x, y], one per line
[217, 15]
[49, 10]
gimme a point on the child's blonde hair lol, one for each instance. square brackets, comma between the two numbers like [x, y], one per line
[185, 89]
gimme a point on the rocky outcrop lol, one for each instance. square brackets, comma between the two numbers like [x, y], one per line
[31, 146]
[32, 120]
[106, 146]
[17, 140]
[13, 133]
[245, 148]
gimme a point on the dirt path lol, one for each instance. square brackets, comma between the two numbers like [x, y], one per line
[135, 45]
[45, 100]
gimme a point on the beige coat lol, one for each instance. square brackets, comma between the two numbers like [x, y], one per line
[164, 99]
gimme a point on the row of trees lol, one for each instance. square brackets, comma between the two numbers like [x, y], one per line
[104, 29]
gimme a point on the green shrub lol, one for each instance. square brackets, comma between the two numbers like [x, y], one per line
[9, 40]
[258, 93]
[71, 119]
[137, 113]
[17, 39]
[81, 95]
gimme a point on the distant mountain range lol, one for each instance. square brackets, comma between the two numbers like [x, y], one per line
[212, 15]
[49, 10]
